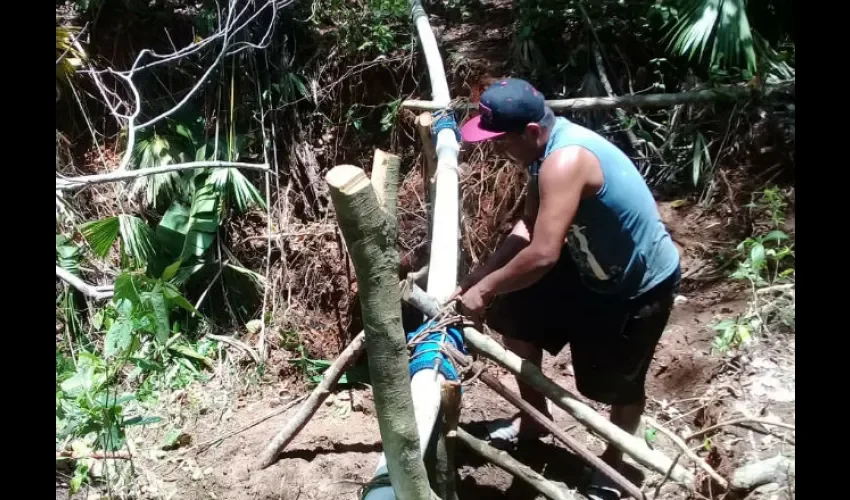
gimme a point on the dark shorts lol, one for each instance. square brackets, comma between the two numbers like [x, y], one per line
[612, 340]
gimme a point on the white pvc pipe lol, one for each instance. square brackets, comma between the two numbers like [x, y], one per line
[436, 71]
[442, 268]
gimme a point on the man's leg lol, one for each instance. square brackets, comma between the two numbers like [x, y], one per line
[528, 428]
[626, 417]
[611, 359]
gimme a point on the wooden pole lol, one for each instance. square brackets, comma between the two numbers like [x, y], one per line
[446, 472]
[514, 467]
[571, 443]
[314, 401]
[665, 100]
[371, 240]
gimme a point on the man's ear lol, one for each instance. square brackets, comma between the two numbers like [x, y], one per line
[533, 131]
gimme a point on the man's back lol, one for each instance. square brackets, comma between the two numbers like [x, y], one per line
[617, 238]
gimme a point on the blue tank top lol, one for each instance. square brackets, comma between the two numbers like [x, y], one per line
[617, 239]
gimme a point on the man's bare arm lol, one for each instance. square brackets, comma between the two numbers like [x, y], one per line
[518, 239]
[562, 180]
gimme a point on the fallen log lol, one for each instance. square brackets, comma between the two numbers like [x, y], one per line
[534, 377]
[519, 470]
[661, 100]
[370, 237]
[779, 469]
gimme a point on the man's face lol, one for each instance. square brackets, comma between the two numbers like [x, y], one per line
[522, 148]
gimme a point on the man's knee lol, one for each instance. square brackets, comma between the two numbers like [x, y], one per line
[524, 349]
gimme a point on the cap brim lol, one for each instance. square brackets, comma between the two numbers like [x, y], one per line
[472, 131]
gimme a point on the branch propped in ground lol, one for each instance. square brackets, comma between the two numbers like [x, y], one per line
[666, 100]
[71, 183]
[95, 292]
[516, 468]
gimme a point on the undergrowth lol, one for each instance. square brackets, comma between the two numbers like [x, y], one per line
[765, 261]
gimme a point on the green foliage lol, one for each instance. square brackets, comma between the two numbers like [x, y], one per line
[373, 27]
[720, 24]
[141, 324]
[764, 259]
[138, 241]
[768, 257]
[719, 32]
[68, 257]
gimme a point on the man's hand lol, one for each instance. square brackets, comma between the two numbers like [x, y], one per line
[474, 302]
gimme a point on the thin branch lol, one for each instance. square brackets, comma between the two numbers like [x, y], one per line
[738, 421]
[235, 343]
[72, 183]
[97, 293]
[690, 453]
[97, 455]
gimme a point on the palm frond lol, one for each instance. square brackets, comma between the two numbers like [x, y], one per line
[721, 24]
[236, 190]
[138, 238]
[155, 150]
[101, 234]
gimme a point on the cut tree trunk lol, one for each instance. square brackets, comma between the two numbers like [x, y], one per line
[371, 240]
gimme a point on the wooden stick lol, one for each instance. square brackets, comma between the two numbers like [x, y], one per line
[690, 453]
[97, 455]
[514, 467]
[371, 240]
[738, 421]
[321, 392]
[516, 400]
[450, 394]
[86, 289]
[71, 183]
[665, 100]
[329, 379]
[423, 126]
[531, 375]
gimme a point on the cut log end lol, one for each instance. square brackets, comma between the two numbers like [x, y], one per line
[347, 179]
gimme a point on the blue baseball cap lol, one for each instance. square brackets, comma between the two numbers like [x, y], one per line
[506, 106]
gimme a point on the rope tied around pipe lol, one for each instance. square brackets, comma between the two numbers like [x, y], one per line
[430, 346]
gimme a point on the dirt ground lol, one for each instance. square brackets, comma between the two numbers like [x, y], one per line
[689, 388]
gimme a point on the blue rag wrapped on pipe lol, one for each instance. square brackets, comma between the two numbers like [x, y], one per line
[427, 351]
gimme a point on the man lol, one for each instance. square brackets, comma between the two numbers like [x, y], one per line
[589, 263]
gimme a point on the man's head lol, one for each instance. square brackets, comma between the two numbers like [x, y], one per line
[514, 115]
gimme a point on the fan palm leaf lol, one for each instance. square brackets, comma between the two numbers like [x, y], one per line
[717, 27]
[137, 238]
